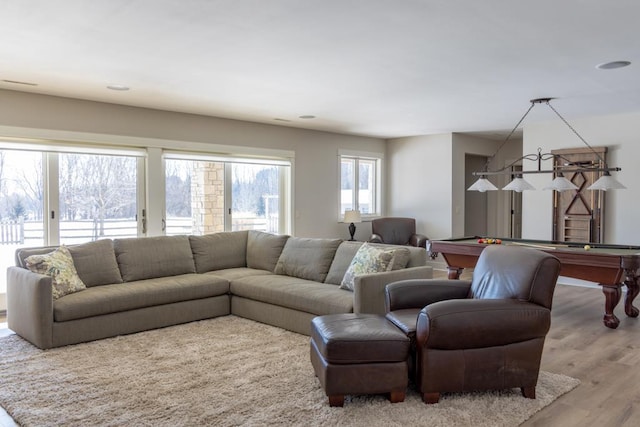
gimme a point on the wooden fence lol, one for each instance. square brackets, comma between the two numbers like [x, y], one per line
[32, 232]
[12, 232]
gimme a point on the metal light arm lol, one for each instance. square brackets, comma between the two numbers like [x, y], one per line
[543, 157]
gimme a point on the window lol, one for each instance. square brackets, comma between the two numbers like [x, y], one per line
[206, 196]
[22, 221]
[52, 198]
[360, 177]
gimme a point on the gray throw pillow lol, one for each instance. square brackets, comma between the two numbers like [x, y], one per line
[307, 258]
[341, 261]
[96, 262]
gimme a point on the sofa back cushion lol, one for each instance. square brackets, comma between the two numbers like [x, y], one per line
[264, 249]
[219, 250]
[149, 257]
[307, 258]
[96, 262]
[24, 253]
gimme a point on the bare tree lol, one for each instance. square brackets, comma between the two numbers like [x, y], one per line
[98, 187]
[178, 187]
[30, 181]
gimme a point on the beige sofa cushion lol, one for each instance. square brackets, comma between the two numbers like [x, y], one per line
[218, 251]
[294, 293]
[148, 257]
[264, 249]
[101, 300]
[307, 258]
[96, 262]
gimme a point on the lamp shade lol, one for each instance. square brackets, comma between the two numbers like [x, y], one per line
[606, 182]
[560, 183]
[519, 185]
[482, 185]
[352, 216]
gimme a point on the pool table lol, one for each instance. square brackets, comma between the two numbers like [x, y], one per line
[611, 266]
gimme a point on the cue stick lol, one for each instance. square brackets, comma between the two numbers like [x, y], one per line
[532, 245]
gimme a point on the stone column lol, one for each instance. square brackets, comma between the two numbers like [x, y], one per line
[207, 197]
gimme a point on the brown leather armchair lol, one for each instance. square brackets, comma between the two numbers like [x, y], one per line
[396, 231]
[483, 334]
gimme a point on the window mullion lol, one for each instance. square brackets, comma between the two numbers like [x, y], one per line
[228, 199]
[356, 184]
[51, 198]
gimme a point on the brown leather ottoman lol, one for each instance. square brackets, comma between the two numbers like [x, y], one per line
[359, 354]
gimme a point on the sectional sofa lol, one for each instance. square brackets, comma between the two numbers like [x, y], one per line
[138, 284]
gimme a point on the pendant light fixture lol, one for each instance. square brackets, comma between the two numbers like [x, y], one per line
[560, 182]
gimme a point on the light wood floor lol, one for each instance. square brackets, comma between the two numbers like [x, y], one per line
[606, 361]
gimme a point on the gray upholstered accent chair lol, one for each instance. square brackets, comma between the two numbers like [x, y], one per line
[483, 334]
[396, 231]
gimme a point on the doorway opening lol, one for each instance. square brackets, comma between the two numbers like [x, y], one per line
[475, 202]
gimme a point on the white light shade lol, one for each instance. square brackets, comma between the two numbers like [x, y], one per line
[519, 185]
[352, 216]
[606, 182]
[482, 185]
[560, 183]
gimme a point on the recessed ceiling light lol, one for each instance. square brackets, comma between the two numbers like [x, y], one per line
[613, 65]
[307, 116]
[118, 87]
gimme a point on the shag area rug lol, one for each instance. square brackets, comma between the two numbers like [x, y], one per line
[227, 371]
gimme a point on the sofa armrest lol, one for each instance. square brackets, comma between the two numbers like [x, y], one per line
[375, 238]
[479, 323]
[418, 293]
[30, 306]
[419, 240]
[369, 289]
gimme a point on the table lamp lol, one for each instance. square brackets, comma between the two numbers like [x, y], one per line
[352, 216]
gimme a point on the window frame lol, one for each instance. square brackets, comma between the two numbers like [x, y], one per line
[285, 180]
[377, 194]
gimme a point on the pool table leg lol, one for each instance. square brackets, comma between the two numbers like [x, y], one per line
[612, 294]
[454, 272]
[633, 289]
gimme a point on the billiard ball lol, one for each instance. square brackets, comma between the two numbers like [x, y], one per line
[587, 247]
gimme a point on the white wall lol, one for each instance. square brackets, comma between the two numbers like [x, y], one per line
[621, 134]
[419, 182]
[316, 153]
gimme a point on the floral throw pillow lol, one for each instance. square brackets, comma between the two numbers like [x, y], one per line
[368, 259]
[59, 265]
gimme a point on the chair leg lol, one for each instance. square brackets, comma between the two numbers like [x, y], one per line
[336, 400]
[396, 396]
[430, 398]
[529, 392]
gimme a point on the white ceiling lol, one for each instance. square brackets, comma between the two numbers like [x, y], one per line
[383, 68]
